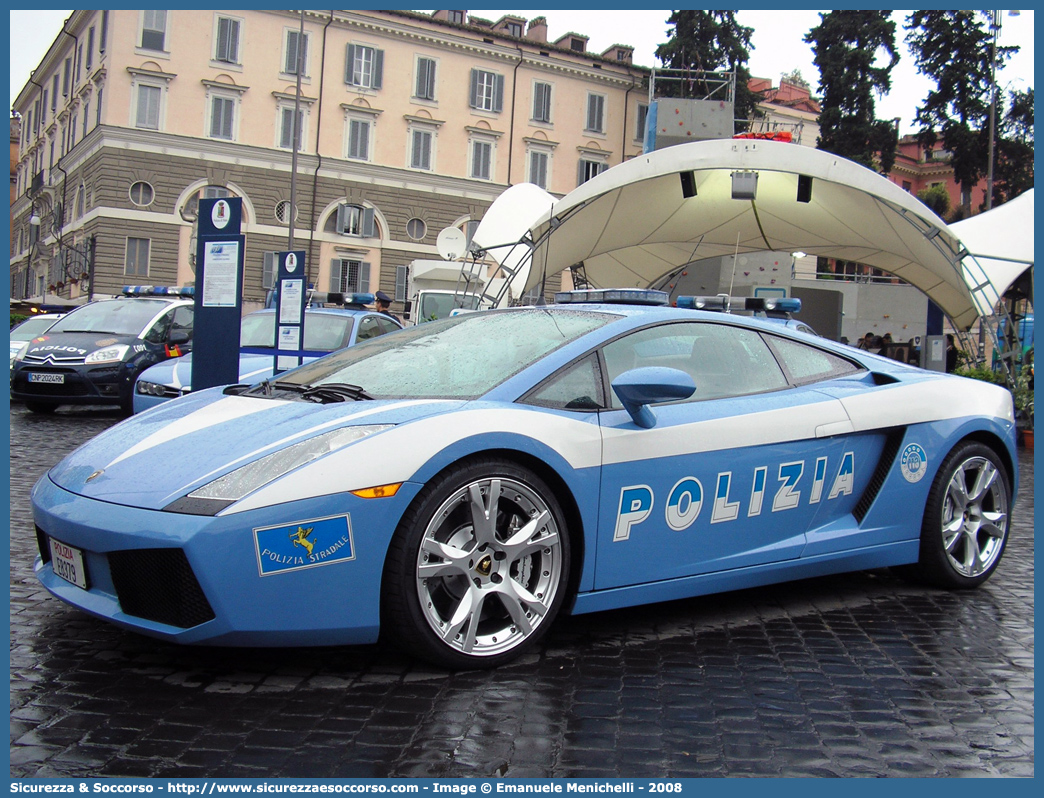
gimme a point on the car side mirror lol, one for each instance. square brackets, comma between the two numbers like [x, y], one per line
[180, 337]
[639, 388]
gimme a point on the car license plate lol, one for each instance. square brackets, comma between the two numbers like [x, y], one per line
[36, 376]
[67, 563]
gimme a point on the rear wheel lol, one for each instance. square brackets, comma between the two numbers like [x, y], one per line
[966, 519]
[478, 568]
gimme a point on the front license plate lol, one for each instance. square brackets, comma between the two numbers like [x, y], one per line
[55, 379]
[67, 563]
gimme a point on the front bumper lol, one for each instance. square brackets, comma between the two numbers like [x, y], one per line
[82, 385]
[197, 579]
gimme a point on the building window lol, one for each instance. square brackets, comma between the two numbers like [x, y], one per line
[79, 60]
[227, 40]
[513, 29]
[400, 283]
[81, 201]
[416, 228]
[294, 43]
[90, 48]
[269, 270]
[356, 220]
[359, 139]
[54, 92]
[207, 192]
[66, 74]
[282, 212]
[482, 160]
[542, 102]
[420, 149]
[86, 118]
[424, 88]
[589, 168]
[579, 45]
[456, 17]
[363, 66]
[43, 107]
[349, 276]
[595, 113]
[538, 163]
[222, 117]
[104, 32]
[907, 186]
[286, 128]
[639, 127]
[141, 193]
[148, 107]
[154, 30]
[136, 262]
[487, 90]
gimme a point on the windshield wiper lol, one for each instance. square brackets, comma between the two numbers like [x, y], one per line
[334, 392]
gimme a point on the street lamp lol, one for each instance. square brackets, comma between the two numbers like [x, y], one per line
[77, 262]
[995, 26]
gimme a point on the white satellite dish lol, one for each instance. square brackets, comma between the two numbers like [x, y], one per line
[451, 243]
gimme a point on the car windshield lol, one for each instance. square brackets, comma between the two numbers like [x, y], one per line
[113, 316]
[462, 357]
[323, 332]
[32, 327]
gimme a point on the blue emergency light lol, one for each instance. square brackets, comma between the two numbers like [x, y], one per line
[159, 290]
[755, 304]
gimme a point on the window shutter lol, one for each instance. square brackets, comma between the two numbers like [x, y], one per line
[342, 220]
[336, 265]
[378, 68]
[400, 283]
[269, 270]
[498, 100]
[368, 227]
[580, 172]
[364, 275]
[349, 65]
[474, 88]
[286, 135]
[292, 38]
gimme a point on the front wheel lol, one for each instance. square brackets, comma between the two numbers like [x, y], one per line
[966, 519]
[479, 566]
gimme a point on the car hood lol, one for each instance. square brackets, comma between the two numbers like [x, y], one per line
[74, 345]
[154, 458]
[177, 372]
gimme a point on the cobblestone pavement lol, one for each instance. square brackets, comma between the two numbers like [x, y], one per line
[857, 675]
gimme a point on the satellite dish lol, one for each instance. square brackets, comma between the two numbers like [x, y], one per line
[451, 243]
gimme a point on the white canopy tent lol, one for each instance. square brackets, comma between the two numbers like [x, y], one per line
[1000, 242]
[649, 216]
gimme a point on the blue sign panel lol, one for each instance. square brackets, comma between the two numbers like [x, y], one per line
[292, 288]
[305, 544]
[219, 292]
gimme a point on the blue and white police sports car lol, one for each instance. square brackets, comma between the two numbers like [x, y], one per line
[326, 330]
[458, 484]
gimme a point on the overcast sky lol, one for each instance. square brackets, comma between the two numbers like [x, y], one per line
[778, 46]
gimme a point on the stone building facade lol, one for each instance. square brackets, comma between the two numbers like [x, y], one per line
[410, 123]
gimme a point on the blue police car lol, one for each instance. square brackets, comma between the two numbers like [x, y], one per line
[326, 330]
[459, 484]
[93, 354]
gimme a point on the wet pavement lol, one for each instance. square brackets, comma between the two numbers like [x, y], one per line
[855, 675]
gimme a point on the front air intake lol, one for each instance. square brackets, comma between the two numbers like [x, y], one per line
[158, 585]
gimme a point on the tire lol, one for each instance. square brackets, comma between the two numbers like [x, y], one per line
[468, 588]
[966, 520]
[45, 408]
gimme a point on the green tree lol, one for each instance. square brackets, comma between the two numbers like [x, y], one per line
[953, 49]
[937, 198]
[710, 41]
[795, 78]
[1013, 159]
[855, 52]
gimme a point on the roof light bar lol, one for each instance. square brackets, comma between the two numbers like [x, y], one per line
[338, 298]
[159, 290]
[755, 304]
[613, 296]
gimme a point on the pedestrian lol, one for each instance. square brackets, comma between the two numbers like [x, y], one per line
[865, 341]
[383, 302]
[951, 355]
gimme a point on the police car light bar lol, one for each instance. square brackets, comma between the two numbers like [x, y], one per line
[613, 296]
[338, 298]
[756, 304]
[159, 290]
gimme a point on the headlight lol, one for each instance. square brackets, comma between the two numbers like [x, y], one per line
[110, 354]
[154, 389]
[18, 355]
[237, 484]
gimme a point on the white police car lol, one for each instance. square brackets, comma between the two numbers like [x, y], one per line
[94, 353]
[460, 483]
